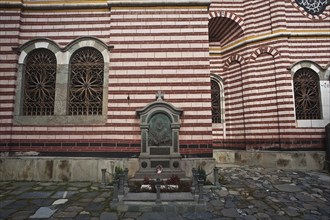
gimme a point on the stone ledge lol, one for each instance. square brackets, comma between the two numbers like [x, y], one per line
[294, 160]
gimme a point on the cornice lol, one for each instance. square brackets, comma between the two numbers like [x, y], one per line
[69, 5]
[266, 37]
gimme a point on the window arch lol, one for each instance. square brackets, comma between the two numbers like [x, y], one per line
[86, 82]
[39, 83]
[307, 94]
[56, 86]
[217, 99]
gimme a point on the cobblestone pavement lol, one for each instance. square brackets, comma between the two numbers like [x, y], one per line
[245, 193]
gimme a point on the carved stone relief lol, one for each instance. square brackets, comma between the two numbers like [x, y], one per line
[160, 133]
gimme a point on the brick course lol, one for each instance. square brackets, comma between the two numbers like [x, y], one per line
[167, 48]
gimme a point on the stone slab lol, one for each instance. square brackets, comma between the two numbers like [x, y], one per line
[43, 212]
[180, 196]
[143, 196]
[288, 188]
[35, 195]
[146, 197]
[109, 216]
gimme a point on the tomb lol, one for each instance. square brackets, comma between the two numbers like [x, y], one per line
[160, 124]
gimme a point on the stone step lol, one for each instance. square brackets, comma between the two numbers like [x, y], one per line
[151, 197]
[140, 175]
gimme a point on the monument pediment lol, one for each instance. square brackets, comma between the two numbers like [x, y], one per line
[160, 105]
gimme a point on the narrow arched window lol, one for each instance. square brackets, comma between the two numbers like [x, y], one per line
[307, 94]
[39, 83]
[86, 82]
[216, 105]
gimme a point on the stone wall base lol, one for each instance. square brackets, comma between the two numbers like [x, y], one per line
[89, 169]
[295, 160]
[79, 168]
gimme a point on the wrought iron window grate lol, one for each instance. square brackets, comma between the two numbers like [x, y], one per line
[86, 82]
[307, 94]
[39, 83]
[216, 105]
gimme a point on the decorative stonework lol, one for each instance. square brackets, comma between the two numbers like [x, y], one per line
[160, 124]
[60, 113]
[160, 131]
[314, 7]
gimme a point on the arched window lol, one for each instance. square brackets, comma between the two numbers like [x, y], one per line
[86, 82]
[307, 94]
[216, 104]
[39, 83]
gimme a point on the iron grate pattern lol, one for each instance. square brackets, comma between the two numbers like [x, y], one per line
[313, 7]
[39, 83]
[307, 94]
[86, 82]
[215, 96]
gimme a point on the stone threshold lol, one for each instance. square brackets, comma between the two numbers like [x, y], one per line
[178, 202]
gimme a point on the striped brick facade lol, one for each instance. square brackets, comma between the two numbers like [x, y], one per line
[260, 110]
[172, 47]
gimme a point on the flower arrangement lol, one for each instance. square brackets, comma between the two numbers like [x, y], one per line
[159, 169]
[173, 184]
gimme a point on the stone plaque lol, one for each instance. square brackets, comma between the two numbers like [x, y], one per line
[160, 151]
[160, 133]
[165, 164]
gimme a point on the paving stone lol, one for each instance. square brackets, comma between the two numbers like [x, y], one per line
[35, 195]
[43, 212]
[95, 206]
[222, 193]
[229, 204]
[80, 184]
[4, 203]
[152, 216]
[63, 214]
[99, 199]
[5, 213]
[109, 216]
[132, 214]
[288, 188]
[74, 209]
[260, 194]
[295, 195]
[42, 202]
[20, 190]
[83, 216]
[291, 211]
[89, 195]
[304, 197]
[63, 194]
[263, 216]
[231, 212]
[19, 204]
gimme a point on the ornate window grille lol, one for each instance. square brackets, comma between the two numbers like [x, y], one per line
[313, 7]
[307, 94]
[86, 82]
[216, 105]
[39, 83]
